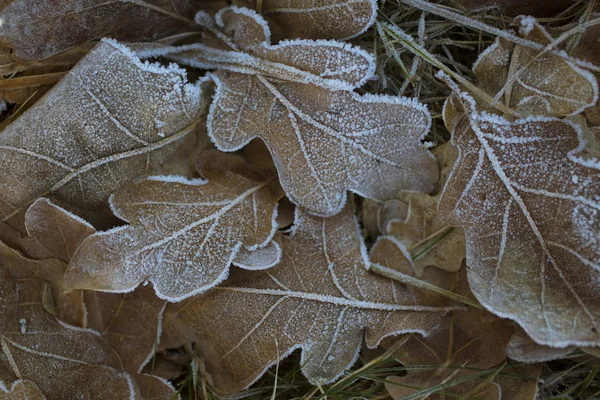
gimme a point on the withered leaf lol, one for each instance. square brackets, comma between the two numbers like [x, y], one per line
[324, 140]
[413, 220]
[318, 19]
[182, 237]
[319, 298]
[532, 82]
[21, 390]
[465, 341]
[106, 123]
[538, 8]
[522, 348]
[63, 361]
[519, 382]
[529, 205]
[38, 29]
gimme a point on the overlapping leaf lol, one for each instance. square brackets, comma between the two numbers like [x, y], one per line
[106, 123]
[320, 298]
[538, 8]
[324, 140]
[414, 221]
[38, 29]
[531, 81]
[318, 19]
[530, 209]
[182, 237]
[465, 342]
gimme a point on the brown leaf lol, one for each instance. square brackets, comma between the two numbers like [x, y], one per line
[64, 362]
[21, 390]
[318, 19]
[182, 236]
[519, 382]
[103, 125]
[320, 298]
[533, 82]
[473, 339]
[296, 96]
[37, 29]
[413, 220]
[522, 348]
[529, 204]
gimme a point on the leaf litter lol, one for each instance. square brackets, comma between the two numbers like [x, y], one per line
[291, 91]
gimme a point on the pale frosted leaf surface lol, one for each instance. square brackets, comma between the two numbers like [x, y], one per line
[246, 48]
[472, 337]
[38, 29]
[530, 207]
[319, 298]
[130, 323]
[262, 258]
[532, 82]
[522, 348]
[182, 236]
[318, 19]
[63, 361]
[323, 142]
[413, 220]
[21, 390]
[95, 131]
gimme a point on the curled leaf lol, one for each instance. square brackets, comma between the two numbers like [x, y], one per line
[529, 204]
[319, 19]
[182, 237]
[531, 81]
[97, 130]
[319, 298]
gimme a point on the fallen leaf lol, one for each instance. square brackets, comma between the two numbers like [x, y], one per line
[182, 237]
[319, 298]
[519, 382]
[318, 19]
[413, 220]
[529, 206]
[37, 29]
[522, 348]
[21, 390]
[105, 124]
[465, 342]
[295, 96]
[63, 361]
[532, 82]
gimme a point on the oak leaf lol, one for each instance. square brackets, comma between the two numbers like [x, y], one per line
[183, 235]
[105, 124]
[21, 390]
[464, 342]
[413, 220]
[529, 204]
[38, 29]
[319, 298]
[533, 82]
[318, 19]
[295, 96]
[63, 361]
[519, 382]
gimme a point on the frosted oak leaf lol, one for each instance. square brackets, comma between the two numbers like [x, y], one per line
[472, 338]
[319, 298]
[533, 82]
[96, 131]
[530, 207]
[182, 237]
[318, 19]
[324, 138]
[38, 29]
